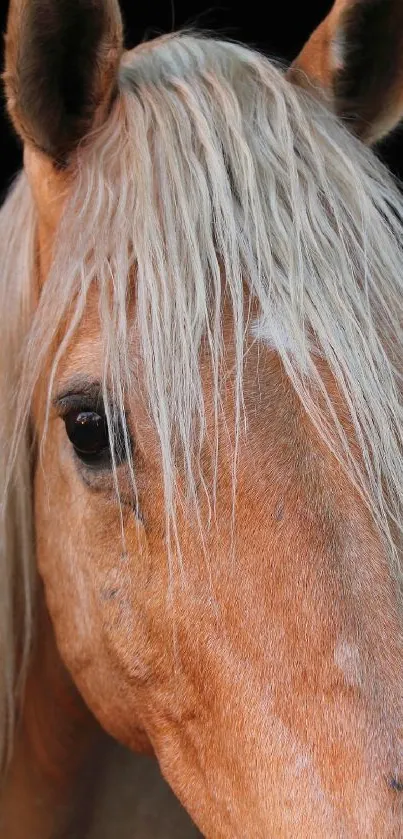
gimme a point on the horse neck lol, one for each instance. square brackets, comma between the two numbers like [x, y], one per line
[55, 739]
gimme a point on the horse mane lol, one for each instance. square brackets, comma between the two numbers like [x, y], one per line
[211, 165]
[17, 557]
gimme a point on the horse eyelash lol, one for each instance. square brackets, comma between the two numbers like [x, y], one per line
[87, 396]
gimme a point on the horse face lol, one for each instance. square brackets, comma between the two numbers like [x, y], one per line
[246, 661]
[241, 656]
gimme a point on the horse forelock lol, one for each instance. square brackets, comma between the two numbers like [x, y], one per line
[212, 172]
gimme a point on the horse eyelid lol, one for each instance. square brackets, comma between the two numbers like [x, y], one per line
[88, 397]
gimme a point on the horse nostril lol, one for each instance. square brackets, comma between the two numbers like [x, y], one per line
[395, 783]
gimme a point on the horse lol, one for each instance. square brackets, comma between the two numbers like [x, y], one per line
[201, 425]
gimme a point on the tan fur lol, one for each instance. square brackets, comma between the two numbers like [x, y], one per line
[234, 670]
[260, 679]
[316, 64]
[43, 776]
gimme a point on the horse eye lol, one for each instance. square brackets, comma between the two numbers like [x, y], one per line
[88, 432]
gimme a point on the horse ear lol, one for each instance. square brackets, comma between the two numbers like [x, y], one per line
[61, 65]
[356, 55]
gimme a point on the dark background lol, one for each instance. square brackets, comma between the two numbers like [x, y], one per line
[278, 27]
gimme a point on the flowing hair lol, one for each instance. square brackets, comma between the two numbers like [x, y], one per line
[17, 555]
[211, 165]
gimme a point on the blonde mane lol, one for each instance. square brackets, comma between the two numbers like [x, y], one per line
[211, 165]
[17, 556]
